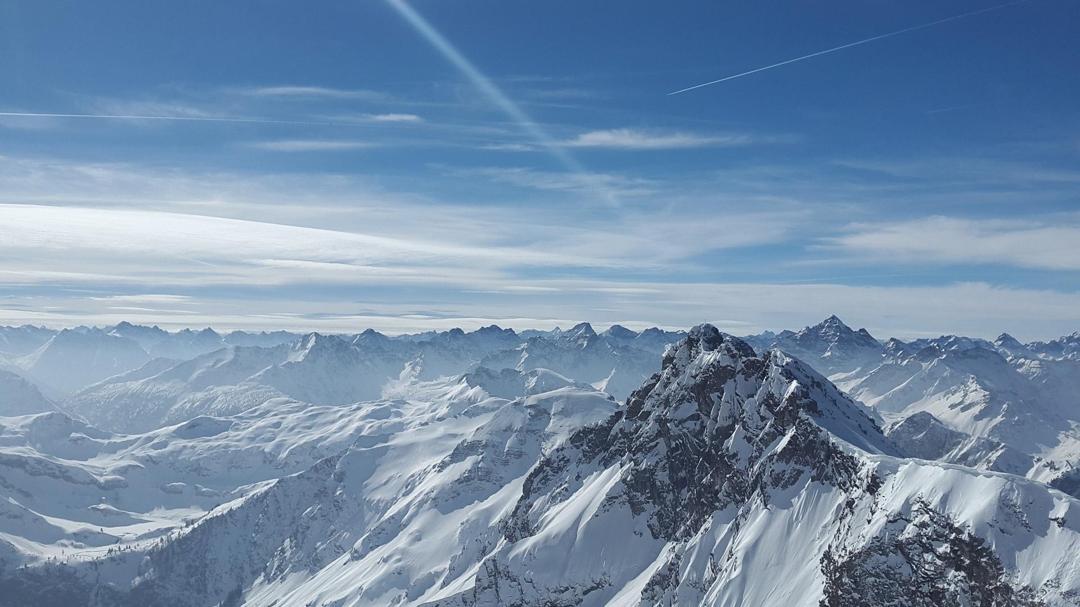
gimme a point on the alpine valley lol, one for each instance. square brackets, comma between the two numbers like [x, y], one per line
[814, 468]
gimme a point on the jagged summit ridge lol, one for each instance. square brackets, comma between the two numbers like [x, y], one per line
[834, 332]
[716, 461]
[709, 364]
[832, 345]
[717, 425]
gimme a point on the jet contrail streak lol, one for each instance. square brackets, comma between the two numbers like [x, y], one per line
[489, 89]
[851, 44]
[140, 117]
[481, 81]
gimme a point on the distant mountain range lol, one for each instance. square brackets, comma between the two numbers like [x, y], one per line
[817, 467]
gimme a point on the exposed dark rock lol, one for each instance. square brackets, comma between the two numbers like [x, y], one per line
[926, 560]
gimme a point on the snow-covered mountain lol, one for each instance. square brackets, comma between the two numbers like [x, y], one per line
[609, 363]
[728, 477]
[831, 346]
[736, 479]
[159, 343]
[336, 370]
[164, 391]
[924, 436]
[511, 383]
[20, 397]
[186, 343]
[75, 358]
[998, 405]
[1066, 347]
[17, 341]
[1031, 407]
[66, 361]
[284, 485]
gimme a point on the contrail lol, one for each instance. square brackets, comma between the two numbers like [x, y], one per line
[490, 90]
[480, 80]
[851, 44]
[144, 117]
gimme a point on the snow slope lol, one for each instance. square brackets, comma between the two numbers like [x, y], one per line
[20, 397]
[1030, 407]
[334, 370]
[371, 470]
[727, 478]
[407, 480]
[75, 358]
[732, 479]
[582, 354]
[999, 405]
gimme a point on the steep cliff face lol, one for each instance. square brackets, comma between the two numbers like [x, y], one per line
[732, 478]
[717, 425]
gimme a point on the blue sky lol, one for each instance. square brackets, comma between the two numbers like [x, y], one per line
[459, 162]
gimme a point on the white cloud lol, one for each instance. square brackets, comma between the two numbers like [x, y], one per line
[394, 117]
[632, 139]
[300, 250]
[145, 298]
[969, 171]
[316, 92]
[192, 246]
[510, 147]
[375, 119]
[150, 107]
[1022, 243]
[741, 308]
[311, 145]
[563, 181]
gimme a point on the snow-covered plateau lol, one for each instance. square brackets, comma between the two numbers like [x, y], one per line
[818, 468]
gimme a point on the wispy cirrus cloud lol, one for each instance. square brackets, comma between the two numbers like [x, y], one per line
[315, 92]
[151, 107]
[394, 117]
[94, 206]
[634, 139]
[131, 246]
[1049, 243]
[509, 147]
[584, 183]
[375, 119]
[311, 145]
[565, 93]
[145, 298]
[976, 309]
[254, 249]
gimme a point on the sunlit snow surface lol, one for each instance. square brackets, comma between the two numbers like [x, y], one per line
[490, 469]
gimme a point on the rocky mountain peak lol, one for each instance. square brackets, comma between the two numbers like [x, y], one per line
[895, 347]
[721, 348]
[719, 424]
[833, 330]
[720, 380]
[832, 346]
[620, 332]
[1008, 342]
[495, 330]
[127, 329]
[580, 330]
[833, 320]
[370, 338]
[830, 327]
[316, 344]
